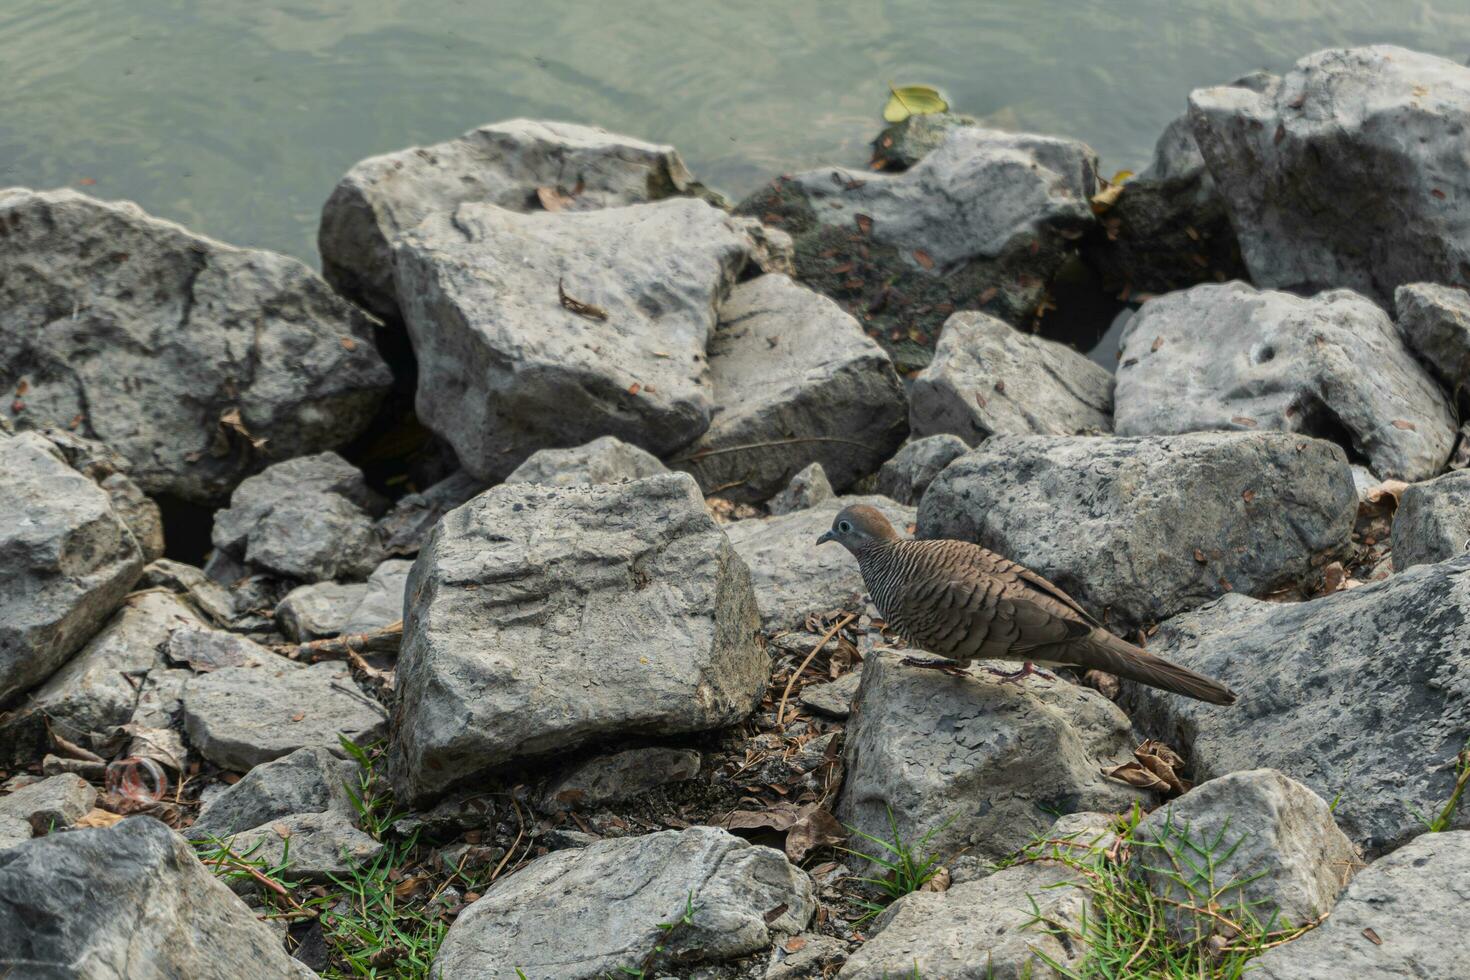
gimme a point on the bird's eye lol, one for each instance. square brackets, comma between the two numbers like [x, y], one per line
[844, 527]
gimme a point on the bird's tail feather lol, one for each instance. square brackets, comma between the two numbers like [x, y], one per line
[1106, 652]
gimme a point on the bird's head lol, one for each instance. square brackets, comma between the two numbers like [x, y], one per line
[858, 528]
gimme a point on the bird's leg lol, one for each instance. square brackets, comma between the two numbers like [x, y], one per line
[946, 666]
[1028, 669]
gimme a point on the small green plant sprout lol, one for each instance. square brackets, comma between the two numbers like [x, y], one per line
[376, 933]
[375, 812]
[910, 866]
[1442, 820]
[1124, 929]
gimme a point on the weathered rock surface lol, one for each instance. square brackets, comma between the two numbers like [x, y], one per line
[987, 378]
[540, 618]
[308, 518]
[1435, 322]
[1363, 693]
[309, 780]
[1400, 918]
[404, 528]
[620, 776]
[1334, 366]
[108, 469]
[240, 717]
[14, 830]
[382, 604]
[1295, 159]
[504, 164]
[102, 686]
[806, 489]
[1432, 522]
[583, 914]
[508, 366]
[993, 763]
[1261, 845]
[1144, 528]
[204, 343]
[51, 804]
[796, 381]
[1168, 228]
[606, 459]
[310, 612]
[207, 595]
[66, 559]
[125, 902]
[980, 930]
[908, 474]
[834, 698]
[903, 144]
[984, 221]
[792, 576]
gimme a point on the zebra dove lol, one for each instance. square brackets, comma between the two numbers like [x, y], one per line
[962, 602]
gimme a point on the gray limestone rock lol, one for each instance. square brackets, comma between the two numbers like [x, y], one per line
[1432, 522]
[217, 359]
[1400, 919]
[125, 902]
[796, 381]
[907, 475]
[1346, 172]
[240, 717]
[308, 780]
[66, 558]
[309, 518]
[103, 686]
[311, 612]
[598, 328]
[606, 459]
[1435, 322]
[1362, 695]
[504, 164]
[208, 596]
[51, 804]
[1141, 529]
[806, 489]
[1261, 845]
[993, 765]
[984, 221]
[743, 897]
[833, 698]
[1334, 366]
[542, 618]
[382, 604]
[405, 526]
[988, 378]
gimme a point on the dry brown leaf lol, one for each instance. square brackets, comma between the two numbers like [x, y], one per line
[1164, 763]
[1158, 342]
[1245, 420]
[1135, 774]
[1390, 489]
[814, 828]
[864, 223]
[1404, 424]
[232, 421]
[634, 388]
[1248, 496]
[552, 198]
[778, 818]
[922, 257]
[349, 343]
[939, 883]
[1104, 199]
[1371, 936]
[795, 944]
[98, 818]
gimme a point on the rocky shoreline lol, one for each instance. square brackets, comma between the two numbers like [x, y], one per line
[510, 654]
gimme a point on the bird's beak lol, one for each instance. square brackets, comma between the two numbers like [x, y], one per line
[826, 536]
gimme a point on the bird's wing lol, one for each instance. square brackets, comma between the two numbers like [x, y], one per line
[971, 603]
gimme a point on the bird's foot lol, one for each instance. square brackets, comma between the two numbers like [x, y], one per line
[1028, 669]
[944, 666]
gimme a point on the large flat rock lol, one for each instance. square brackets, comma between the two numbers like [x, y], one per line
[542, 618]
[66, 560]
[125, 902]
[1363, 695]
[504, 164]
[177, 351]
[1334, 365]
[796, 382]
[1347, 171]
[593, 912]
[508, 366]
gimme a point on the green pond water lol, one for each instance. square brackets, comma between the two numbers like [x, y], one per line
[236, 118]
